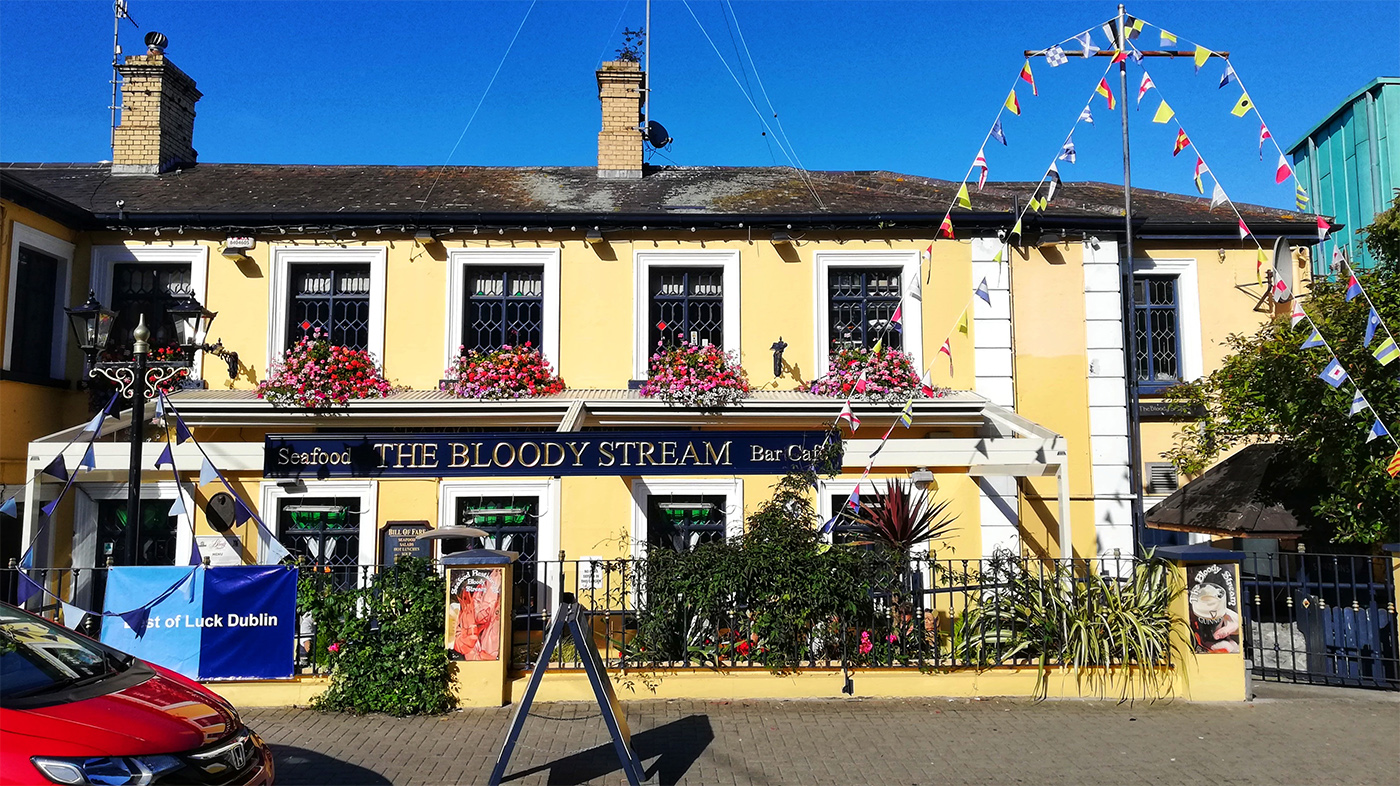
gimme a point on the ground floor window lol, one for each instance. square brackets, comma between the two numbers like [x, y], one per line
[847, 528]
[155, 539]
[682, 522]
[323, 533]
[511, 523]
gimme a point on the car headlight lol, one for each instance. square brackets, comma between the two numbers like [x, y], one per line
[106, 770]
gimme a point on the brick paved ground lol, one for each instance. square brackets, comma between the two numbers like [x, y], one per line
[1304, 736]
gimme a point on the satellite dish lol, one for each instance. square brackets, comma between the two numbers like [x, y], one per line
[1283, 262]
[656, 135]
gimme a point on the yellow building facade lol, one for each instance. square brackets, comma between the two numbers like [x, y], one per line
[1031, 443]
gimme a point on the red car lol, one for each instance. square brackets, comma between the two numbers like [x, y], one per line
[74, 711]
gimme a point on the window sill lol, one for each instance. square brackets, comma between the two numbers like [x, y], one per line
[35, 379]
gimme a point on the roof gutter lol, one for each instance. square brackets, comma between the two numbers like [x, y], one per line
[44, 203]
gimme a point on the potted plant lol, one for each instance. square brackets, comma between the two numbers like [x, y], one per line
[315, 373]
[508, 372]
[887, 375]
[691, 375]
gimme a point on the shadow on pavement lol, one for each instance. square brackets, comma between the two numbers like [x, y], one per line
[302, 766]
[677, 744]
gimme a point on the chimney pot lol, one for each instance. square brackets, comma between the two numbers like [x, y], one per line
[621, 85]
[157, 127]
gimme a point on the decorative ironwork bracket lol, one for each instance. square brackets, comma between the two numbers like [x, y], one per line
[123, 374]
[227, 355]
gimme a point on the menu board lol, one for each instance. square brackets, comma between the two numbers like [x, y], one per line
[401, 540]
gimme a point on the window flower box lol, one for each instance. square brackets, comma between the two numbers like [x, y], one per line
[508, 372]
[885, 376]
[316, 374]
[688, 375]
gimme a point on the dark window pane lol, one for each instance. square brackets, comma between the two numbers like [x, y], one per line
[687, 304]
[148, 290]
[1156, 343]
[323, 532]
[862, 301]
[504, 306]
[36, 284]
[155, 541]
[848, 528]
[511, 524]
[682, 522]
[334, 298]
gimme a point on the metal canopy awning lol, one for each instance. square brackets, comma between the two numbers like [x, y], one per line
[983, 439]
[1251, 494]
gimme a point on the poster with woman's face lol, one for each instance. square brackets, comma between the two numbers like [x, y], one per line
[474, 613]
[1215, 608]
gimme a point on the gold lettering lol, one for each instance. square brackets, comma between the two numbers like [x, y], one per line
[690, 453]
[548, 446]
[476, 460]
[459, 455]
[605, 448]
[399, 464]
[713, 457]
[534, 445]
[383, 449]
[496, 455]
[668, 454]
[644, 451]
[578, 452]
[284, 456]
[428, 453]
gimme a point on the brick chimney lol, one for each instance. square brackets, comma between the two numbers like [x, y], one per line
[157, 127]
[620, 84]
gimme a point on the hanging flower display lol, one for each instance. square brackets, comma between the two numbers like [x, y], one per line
[508, 372]
[315, 373]
[696, 376]
[888, 375]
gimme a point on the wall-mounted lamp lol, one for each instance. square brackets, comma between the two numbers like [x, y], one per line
[1221, 254]
[782, 239]
[923, 479]
[1094, 242]
[236, 247]
[594, 237]
[1050, 239]
[424, 237]
[778, 347]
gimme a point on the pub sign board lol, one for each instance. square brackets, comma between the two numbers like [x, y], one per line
[548, 454]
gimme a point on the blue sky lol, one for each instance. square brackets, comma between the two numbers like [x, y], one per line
[909, 87]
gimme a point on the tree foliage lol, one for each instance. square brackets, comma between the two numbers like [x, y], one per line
[1268, 390]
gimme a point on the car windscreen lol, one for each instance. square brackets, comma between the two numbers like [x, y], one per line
[38, 657]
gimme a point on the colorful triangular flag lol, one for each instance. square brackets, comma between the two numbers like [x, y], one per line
[926, 382]
[906, 415]
[1284, 170]
[1263, 134]
[1055, 56]
[177, 508]
[136, 619]
[56, 468]
[1229, 74]
[1027, 76]
[897, 319]
[962, 326]
[947, 349]
[1373, 321]
[997, 133]
[1217, 196]
[1353, 288]
[1164, 113]
[964, 201]
[983, 291]
[1334, 374]
[848, 415]
[1301, 198]
[1297, 315]
[1358, 403]
[207, 473]
[945, 229]
[1086, 116]
[1242, 106]
[1244, 230]
[1167, 38]
[1393, 468]
[1260, 260]
[1314, 340]
[1104, 90]
[196, 558]
[1067, 152]
[1322, 228]
[1016, 230]
[96, 423]
[70, 616]
[1052, 176]
[1086, 43]
[1377, 431]
[89, 459]
[1202, 55]
[1280, 290]
[981, 162]
[1011, 102]
[1144, 87]
[1181, 141]
[182, 432]
[1200, 170]
[165, 458]
[10, 508]
[1386, 351]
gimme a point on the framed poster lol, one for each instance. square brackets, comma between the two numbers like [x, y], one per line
[1215, 608]
[474, 613]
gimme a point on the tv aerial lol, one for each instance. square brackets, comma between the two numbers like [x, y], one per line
[655, 134]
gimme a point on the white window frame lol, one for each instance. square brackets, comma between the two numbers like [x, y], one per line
[458, 263]
[547, 491]
[911, 318]
[644, 261]
[106, 258]
[283, 257]
[367, 490]
[1188, 309]
[62, 250]
[642, 488]
[84, 544]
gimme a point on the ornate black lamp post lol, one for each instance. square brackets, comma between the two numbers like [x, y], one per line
[139, 379]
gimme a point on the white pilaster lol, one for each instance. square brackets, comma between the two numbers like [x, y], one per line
[1108, 401]
[995, 379]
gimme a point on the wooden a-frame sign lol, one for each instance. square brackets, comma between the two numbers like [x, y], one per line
[569, 615]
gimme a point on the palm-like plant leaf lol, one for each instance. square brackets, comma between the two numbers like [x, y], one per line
[900, 520]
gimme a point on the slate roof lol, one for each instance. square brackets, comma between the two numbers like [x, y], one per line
[1255, 493]
[253, 195]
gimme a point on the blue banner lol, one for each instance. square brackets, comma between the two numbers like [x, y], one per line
[226, 623]
[551, 454]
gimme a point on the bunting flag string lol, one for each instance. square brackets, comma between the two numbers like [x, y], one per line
[1374, 321]
[1335, 374]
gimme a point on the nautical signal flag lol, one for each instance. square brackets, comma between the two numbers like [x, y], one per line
[963, 325]
[1284, 170]
[983, 292]
[947, 349]
[1260, 261]
[945, 229]
[1244, 230]
[1055, 56]
[1373, 321]
[1393, 468]
[1334, 374]
[1086, 116]
[1181, 141]
[926, 382]
[1016, 229]
[1242, 106]
[897, 320]
[1358, 404]
[1217, 196]
[1353, 288]
[1052, 175]
[1301, 198]
[1322, 227]
[981, 161]
[1027, 76]
[964, 201]
[1168, 38]
[1067, 152]
[1107, 94]
[906, 415]
[1280, 290]
[1297, 315]
[1377, 431]
[1314, 340]
[1119, 56]
[1144, 87]
[1086, 43]
[1386, 352]
[1263, 134]
[997, 133]
[849, 416]
[1202, 55]
[1164, 113]
[1228, 76]
[1200, 169]
[1012, 103]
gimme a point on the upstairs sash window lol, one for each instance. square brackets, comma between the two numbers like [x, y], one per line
[149, 290]
[334, 298]
[687, 304]
[861, 303]
[1157, 332]
[504, 305]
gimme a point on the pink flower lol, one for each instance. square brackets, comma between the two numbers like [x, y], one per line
[334, 647]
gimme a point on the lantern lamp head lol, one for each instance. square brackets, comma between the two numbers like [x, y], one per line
[92, 325]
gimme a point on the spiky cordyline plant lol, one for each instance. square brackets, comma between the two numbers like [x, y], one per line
[899, 520]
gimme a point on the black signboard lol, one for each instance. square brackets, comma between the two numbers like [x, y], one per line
[1169, 410]
[547, 454]
[401, 540]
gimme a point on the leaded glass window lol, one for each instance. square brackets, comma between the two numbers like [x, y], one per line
[847, 528]
[687, 304]
[149, 290]
[682, 522]
[334, 298]
[1157, 335]
[861, 303]
[505, 305]
[323, 532]
[511, 524]
[155, 539]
